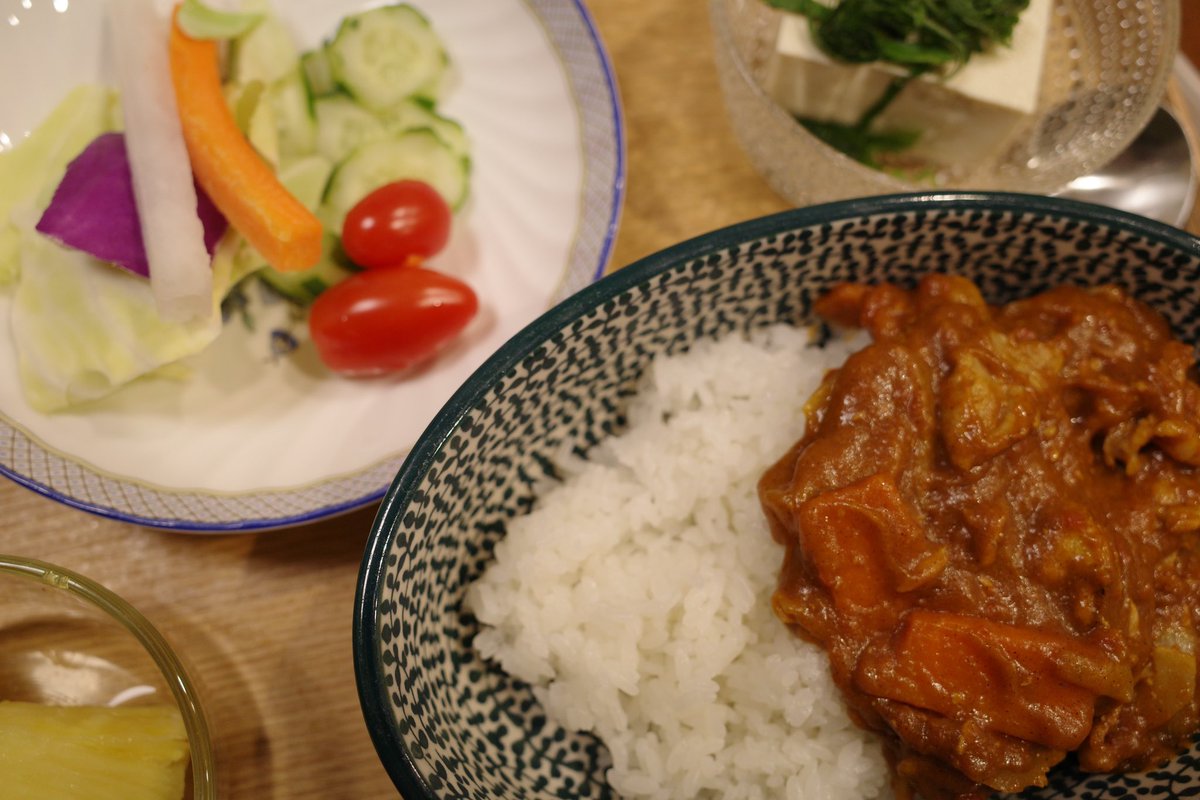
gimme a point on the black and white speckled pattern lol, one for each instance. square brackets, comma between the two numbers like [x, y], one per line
[450, 726]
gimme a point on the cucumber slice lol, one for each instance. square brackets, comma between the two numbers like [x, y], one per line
[412, 115]
[317, 75]
[384, 55]
[255, 116]
[200, 21]
[306, 178]
[304, 286]
[267, 53]
[293, 115]
[420, 155]
[343, 126]
[243, 100]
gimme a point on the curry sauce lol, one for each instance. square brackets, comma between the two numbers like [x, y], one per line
[991, 525]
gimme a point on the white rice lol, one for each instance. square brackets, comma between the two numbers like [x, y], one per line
[636, 596]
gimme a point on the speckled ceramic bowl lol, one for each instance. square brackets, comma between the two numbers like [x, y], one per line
[449, 725]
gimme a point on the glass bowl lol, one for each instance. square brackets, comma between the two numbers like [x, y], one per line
[65, 640]
[1105, 72]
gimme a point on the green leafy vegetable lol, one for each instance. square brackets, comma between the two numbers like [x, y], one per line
[862, 145]
[918, 36]
[914, 34]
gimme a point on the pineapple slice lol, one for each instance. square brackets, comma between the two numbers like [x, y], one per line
[68, 752]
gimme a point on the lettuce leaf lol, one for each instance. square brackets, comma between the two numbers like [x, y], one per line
[83, 328]
[30, 172]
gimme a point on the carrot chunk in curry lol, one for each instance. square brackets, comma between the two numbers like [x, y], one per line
[992, 525]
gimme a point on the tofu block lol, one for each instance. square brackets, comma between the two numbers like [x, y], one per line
[963, 119]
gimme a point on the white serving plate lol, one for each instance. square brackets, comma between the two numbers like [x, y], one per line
[257, 439]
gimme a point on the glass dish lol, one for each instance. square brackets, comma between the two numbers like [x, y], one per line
[1105, 72]
[65, 640]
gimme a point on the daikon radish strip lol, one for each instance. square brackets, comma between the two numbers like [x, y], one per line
[180, 268]
[243, 186]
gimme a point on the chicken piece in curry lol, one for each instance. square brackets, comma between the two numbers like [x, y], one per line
[992, 525]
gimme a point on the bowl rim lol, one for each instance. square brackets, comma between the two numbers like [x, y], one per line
[368, 666]
[174, 673]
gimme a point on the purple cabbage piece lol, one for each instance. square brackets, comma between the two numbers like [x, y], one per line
[94, 210]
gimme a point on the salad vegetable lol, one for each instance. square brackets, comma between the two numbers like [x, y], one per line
[419, 154]
[204, 22]
[158, 160]
[286, 147]
[29, 174]
[385, 320]
[80, 327]
[331, 149]
[394, 315]
[241, 184]
[398, 223]
[386, 55]
[94, 210]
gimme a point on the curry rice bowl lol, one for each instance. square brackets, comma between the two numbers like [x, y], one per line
[449, 724]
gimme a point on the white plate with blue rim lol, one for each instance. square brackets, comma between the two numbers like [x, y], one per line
[259, 435]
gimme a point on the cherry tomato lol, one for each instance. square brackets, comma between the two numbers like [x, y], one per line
[396, 224]
[385, 320]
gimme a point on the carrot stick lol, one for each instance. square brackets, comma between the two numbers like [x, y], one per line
[239, 182]
[867, 543]
[1008, 675]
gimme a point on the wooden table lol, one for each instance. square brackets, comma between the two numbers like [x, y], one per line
[265, 619]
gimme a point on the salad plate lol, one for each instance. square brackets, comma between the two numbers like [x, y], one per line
[258, 434]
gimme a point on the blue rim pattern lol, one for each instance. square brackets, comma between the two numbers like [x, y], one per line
[603, 125]
[593, 85]
[372, 674]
